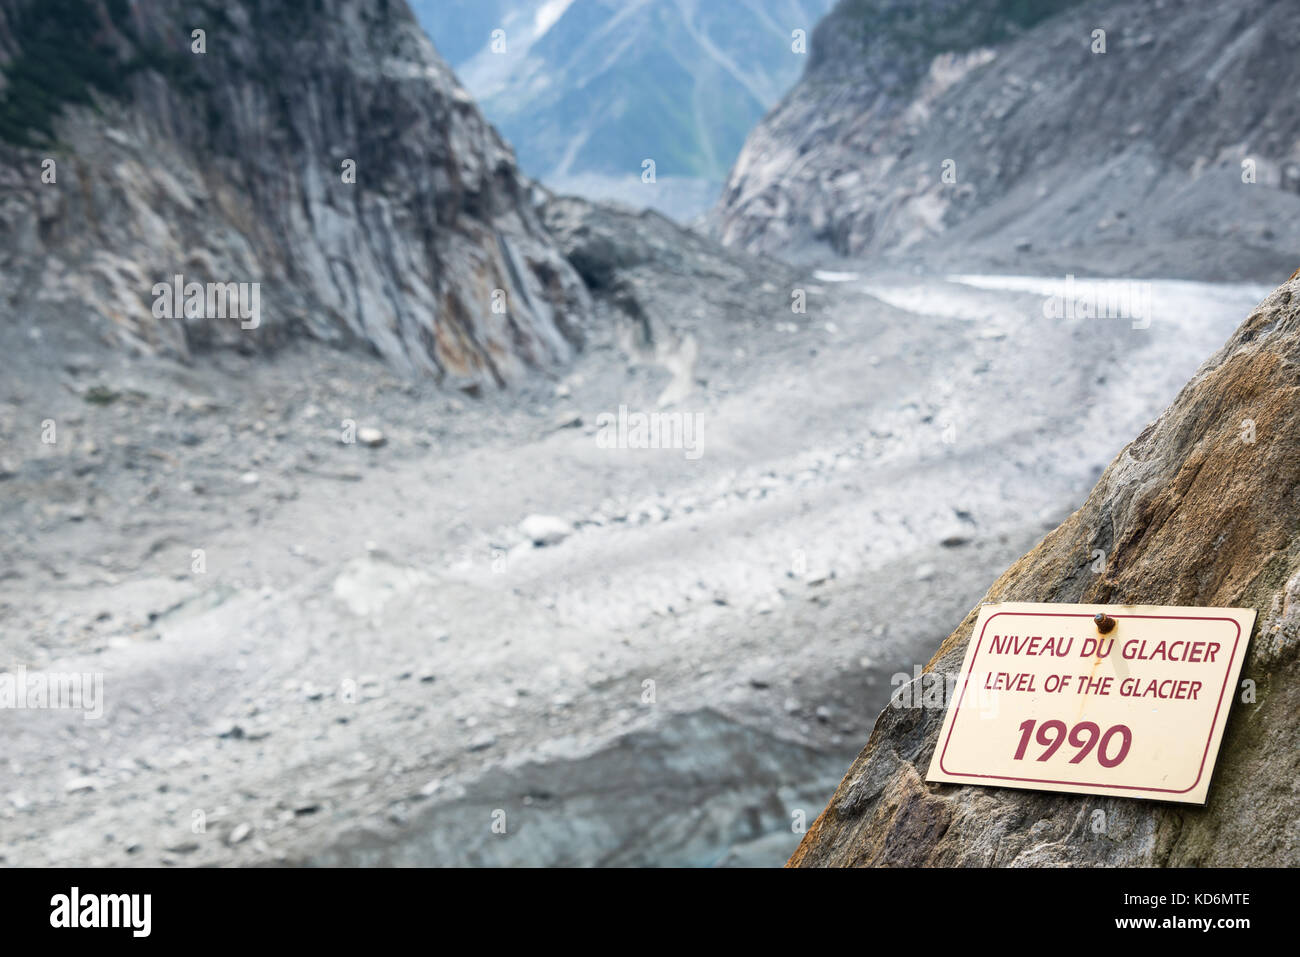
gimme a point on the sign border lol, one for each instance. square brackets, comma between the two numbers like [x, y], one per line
[969, 667]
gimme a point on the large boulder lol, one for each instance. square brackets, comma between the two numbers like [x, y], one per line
[1202, 508]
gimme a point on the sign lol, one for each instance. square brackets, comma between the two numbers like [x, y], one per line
[1127, 700]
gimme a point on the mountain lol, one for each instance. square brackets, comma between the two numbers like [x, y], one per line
[230, 160]
[1171, 151]
[1191, 512]
[587, 90]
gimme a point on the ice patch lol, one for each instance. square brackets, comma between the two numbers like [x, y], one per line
[826, 275]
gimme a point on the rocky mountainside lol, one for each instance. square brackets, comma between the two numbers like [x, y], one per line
[1001, 133]
[1200, 509]
[586, 90]
[321, 150]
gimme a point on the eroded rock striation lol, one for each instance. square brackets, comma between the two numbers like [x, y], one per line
[1202, 508]
[1124, 136]
[228, 157]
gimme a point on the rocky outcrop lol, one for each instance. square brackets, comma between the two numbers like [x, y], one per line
[1203, 508]
[1001, 131]
[675, 299]
[658, 272]
[234, 162]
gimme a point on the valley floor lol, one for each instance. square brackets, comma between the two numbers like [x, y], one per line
[323, 652]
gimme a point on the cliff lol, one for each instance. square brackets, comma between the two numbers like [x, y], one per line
[320, 149]
[1114, 136]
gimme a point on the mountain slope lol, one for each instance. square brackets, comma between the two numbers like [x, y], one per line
[586, 90]
[1052, 150]
[1197, 510]
[231, 166]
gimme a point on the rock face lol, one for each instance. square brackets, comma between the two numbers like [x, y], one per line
[1203, 508]
[676, 299]
[1049, 146]
[652, 269]
[235, 165]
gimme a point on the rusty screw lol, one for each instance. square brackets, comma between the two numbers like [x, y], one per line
[1104, 622]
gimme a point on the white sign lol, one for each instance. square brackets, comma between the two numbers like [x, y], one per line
[1133, 704]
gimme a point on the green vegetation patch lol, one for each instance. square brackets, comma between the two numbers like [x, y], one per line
[66, 50]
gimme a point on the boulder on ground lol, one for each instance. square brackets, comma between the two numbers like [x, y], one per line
[544, 530]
